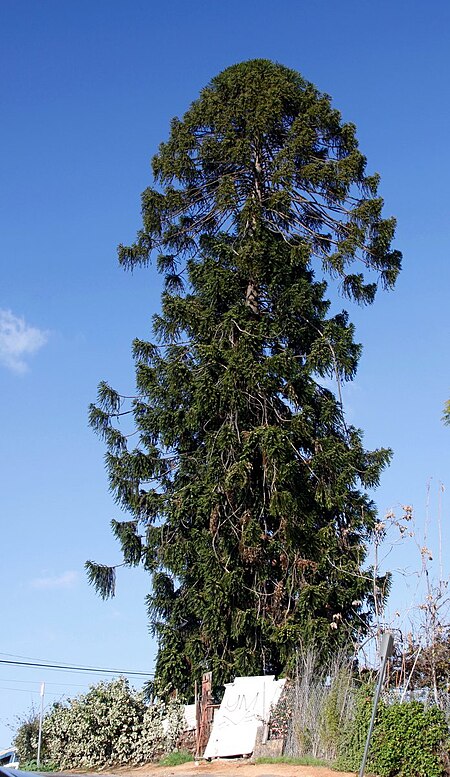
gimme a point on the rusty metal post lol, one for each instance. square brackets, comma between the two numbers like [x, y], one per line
[206, 713]
[197, 719]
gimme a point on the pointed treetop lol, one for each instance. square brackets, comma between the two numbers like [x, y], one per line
[262, 148]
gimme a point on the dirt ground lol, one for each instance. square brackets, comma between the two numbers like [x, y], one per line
[231, 768]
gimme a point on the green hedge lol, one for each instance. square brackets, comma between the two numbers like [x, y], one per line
[409, 739]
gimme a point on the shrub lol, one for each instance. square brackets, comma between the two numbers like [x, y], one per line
[161, 729]
[353, 736]
[26, 739]
[97, 728]
[409, 741]
[111, 725]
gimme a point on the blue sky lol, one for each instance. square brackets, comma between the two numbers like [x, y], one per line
[87, 93]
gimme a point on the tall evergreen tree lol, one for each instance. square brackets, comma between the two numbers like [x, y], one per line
[247, 490]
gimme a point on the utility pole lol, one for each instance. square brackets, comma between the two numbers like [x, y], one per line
[41, 716]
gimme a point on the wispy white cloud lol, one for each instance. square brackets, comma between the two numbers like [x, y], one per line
[18, 340]
[65, 580]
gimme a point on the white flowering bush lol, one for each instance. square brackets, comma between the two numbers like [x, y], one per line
[26, 739]
[111, 724]
[161, 729]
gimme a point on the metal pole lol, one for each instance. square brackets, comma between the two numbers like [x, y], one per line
[197, 720]
[41, 716]
[265, 732]
[387, 644]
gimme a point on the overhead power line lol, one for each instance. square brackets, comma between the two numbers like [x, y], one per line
[64, 684]
[27, 690]
[73, 668]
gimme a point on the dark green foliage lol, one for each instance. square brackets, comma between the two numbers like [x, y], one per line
[354, 733]
[409, 740]
[262, 146]
[103, 578]
[247, 488]
[26, 738]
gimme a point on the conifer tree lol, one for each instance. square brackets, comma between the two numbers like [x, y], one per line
[247, 491]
